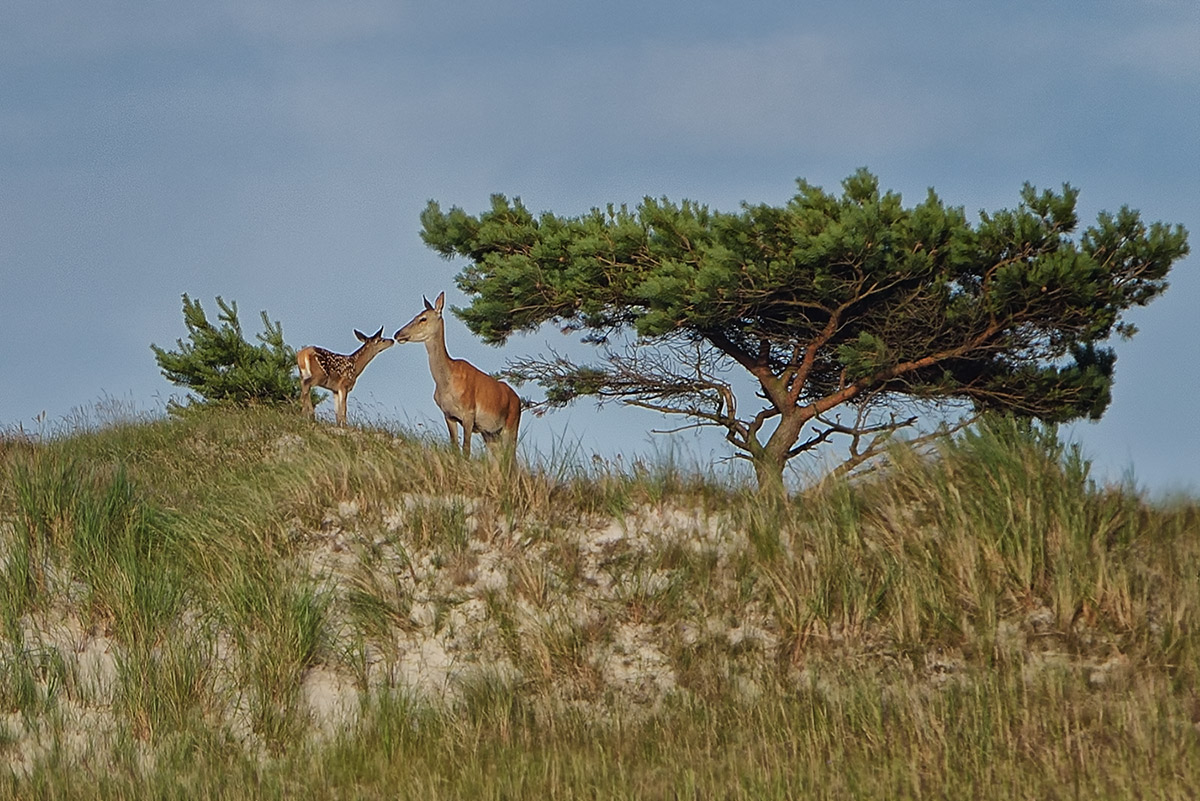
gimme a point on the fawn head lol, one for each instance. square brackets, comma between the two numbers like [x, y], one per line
[374, 344]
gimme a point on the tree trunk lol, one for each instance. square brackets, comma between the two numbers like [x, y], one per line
[770, 460]
[769, 474]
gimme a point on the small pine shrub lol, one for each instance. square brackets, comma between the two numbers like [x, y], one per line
[221, 367]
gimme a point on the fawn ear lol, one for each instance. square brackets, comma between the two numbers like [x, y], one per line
[361, 336]
[440, 302]
[428, 307]
[378, 333]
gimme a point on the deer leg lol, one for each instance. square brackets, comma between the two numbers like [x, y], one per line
[341, 407]
[452, 426]
[468, 424]
[306, 397]
[503, 447]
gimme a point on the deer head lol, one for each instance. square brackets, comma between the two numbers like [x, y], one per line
[427, 324]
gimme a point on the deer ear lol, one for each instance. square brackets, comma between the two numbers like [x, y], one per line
[427, 304]
[361, 336]
[440, 302]
[378, 333]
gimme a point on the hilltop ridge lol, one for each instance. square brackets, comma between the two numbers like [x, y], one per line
[244, 598]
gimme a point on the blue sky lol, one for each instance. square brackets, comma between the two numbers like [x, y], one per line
[279, 154]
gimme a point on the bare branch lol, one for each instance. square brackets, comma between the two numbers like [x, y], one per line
[877, 449]
[679, 378]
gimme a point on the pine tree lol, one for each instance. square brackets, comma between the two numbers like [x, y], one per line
[221, 367]
[828, 303]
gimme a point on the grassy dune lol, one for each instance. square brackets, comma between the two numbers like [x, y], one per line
[248, 605]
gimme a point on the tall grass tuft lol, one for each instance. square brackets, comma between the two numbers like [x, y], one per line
[84, 523]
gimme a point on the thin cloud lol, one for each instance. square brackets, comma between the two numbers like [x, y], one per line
[1171, 50]
[807, 92]
[306, 22]
[40, 31]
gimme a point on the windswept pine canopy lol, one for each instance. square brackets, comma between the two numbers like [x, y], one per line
[828, 300]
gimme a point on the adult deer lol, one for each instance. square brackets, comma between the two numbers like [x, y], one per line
[336, 372]
[466, 395]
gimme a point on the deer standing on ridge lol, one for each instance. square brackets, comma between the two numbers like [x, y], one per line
[335, 372]
[465, 394]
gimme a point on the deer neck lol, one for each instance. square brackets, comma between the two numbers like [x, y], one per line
[439, 357]
[361, 358]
